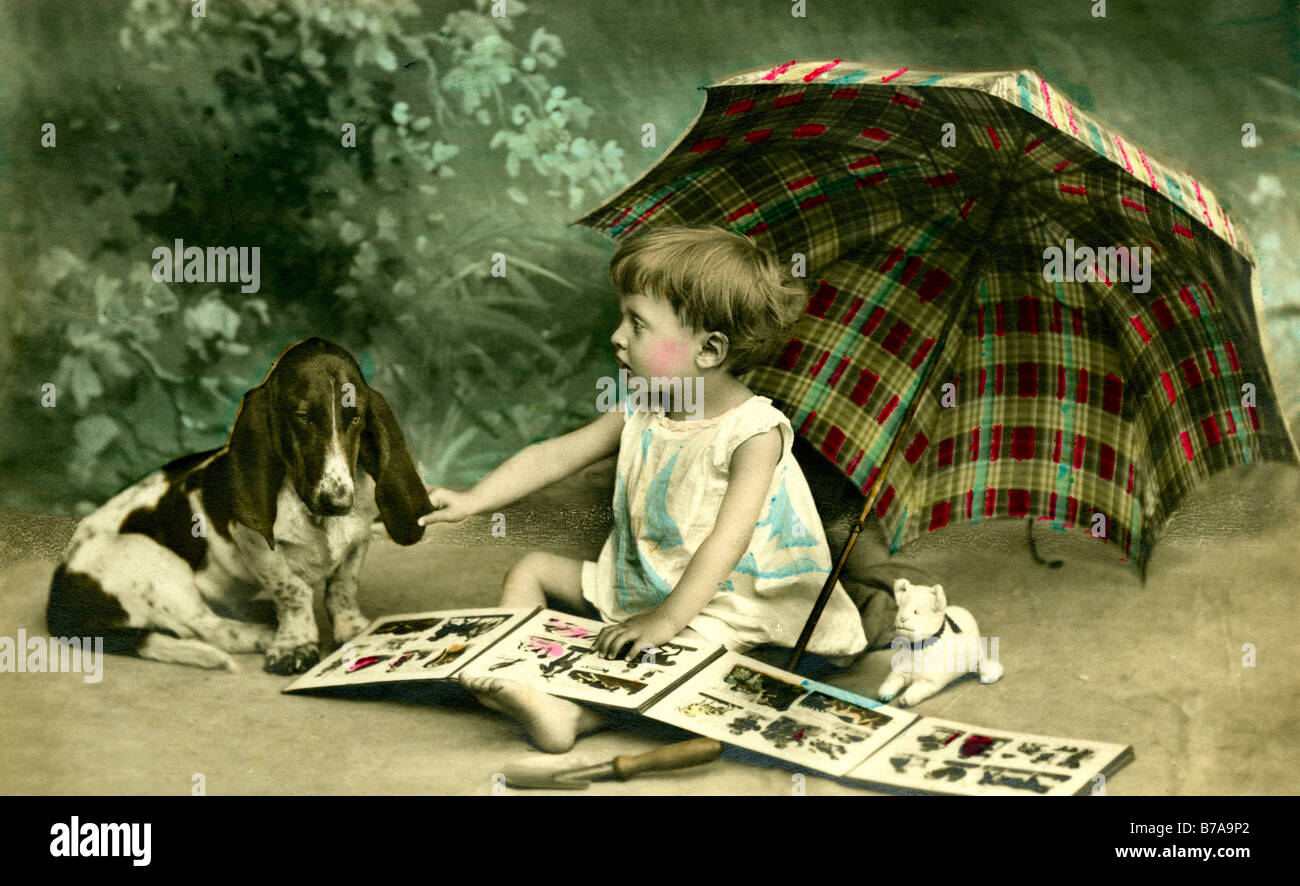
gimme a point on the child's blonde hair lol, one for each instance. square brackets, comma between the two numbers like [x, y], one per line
[716, 281]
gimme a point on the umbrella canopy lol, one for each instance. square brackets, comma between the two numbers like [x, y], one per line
[1038, 317]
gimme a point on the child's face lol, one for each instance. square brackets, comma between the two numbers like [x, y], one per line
[652, 341]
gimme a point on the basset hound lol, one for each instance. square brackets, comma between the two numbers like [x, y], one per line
[223, 551]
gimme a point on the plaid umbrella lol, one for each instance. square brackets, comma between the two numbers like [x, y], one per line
[949, 363]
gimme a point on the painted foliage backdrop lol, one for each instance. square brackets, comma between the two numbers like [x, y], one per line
[475, 135]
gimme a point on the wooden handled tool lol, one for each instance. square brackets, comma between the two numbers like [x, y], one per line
[622, 767]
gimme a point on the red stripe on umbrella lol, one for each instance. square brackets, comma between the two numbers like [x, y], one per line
[818, 71]
[709, 144]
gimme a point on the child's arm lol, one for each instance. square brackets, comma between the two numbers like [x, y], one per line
[529, 470]
[752, 465]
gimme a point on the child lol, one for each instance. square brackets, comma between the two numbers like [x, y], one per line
[715, 531]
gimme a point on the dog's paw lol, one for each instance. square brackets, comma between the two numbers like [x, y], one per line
[347, 627]
[292, 659]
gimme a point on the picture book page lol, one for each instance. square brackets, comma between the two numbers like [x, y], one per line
[422, 646]
[941, 756]
[744, 702]
[554, 652]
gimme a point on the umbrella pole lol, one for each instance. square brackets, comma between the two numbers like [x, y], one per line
[959, 306]
[872, 495]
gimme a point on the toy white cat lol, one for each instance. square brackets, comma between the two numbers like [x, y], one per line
[935, 644]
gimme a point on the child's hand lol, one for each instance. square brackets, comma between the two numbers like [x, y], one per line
[450, 506]
[641, 630]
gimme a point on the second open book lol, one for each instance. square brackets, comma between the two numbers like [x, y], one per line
[705, 689]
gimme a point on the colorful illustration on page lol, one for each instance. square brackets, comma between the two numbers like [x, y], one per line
[939, 755]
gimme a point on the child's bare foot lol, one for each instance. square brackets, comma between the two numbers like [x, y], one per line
[553, 724]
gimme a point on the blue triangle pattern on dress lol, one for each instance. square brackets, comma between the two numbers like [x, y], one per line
[637, 586]
[785, 525]
[749, 566]
[660, 527]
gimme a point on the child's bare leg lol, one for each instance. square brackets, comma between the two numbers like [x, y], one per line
[552, 723]
[540, 578]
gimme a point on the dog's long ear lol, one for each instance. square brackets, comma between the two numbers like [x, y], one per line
[399, 491]
[256, 469]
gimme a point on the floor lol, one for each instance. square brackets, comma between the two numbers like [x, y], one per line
[1089, 652]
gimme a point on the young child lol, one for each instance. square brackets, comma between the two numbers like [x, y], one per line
[715, 531]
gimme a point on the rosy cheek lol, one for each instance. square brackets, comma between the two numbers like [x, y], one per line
[665, 356]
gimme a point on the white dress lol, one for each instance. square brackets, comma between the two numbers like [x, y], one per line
[671, 479]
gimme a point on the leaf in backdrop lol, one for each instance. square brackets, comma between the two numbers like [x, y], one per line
[350, 232]
[76, 374]
[212, 318]
[153, 197]
[56, 264]
[258, 307]
[386, 222]
[94, 432]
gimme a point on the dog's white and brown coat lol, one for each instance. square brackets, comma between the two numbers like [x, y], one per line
[200, 559]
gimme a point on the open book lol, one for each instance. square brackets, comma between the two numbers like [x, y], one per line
[703, 688]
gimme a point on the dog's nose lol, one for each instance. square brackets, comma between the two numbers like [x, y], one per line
[336, 498]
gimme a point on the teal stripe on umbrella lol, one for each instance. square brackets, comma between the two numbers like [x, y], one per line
[986, 415]
[849, 340]
[791, 206]
[1026, 94]
[896, 541]
[891, 428]
[646, 207]
[1065, 468]
[1095, 135]
[848, 78]
[1175, 189]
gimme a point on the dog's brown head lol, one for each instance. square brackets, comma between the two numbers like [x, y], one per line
[312, 420]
